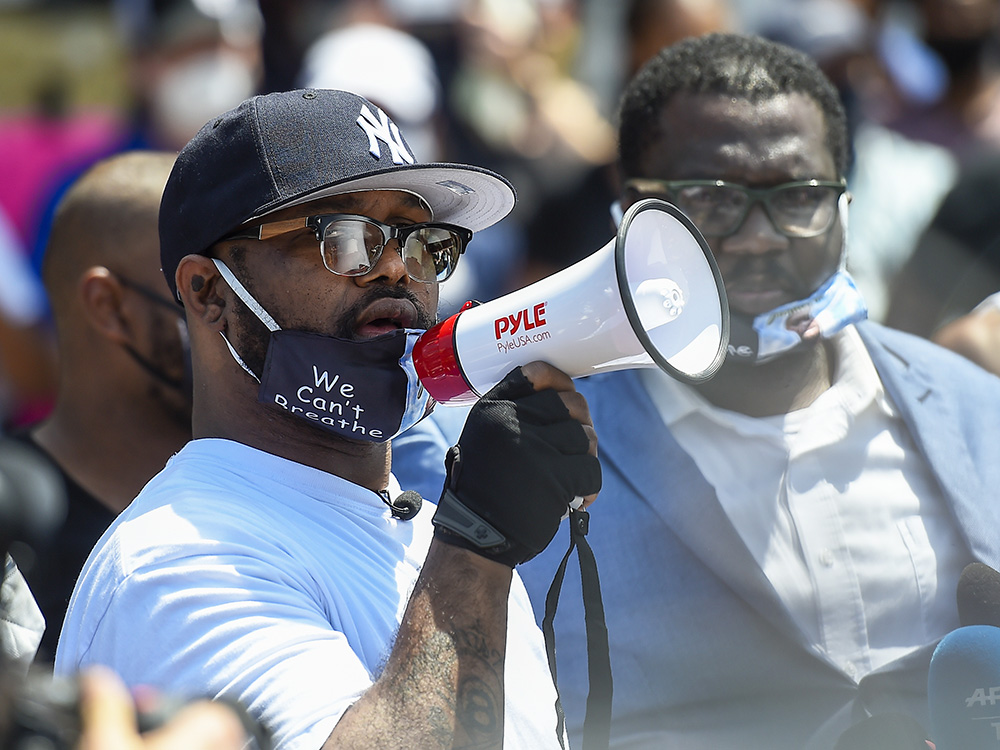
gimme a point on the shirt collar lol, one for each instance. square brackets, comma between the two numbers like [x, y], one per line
[856, 384]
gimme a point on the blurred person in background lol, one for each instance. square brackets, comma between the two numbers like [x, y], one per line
[515, 100]
[32, 503]
[963, 39]
[405, 84]
[108, 720]
[898, 181]
[780, 546]
[976, 335]
[651, 25]
[41, 140]
[566, 225]
[572, 220]
[27, 353]
[123, 404]
[34, 712]
[956, 262]
[186, 60]
[96, 712]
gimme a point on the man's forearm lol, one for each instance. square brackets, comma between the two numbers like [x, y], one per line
[442, 686]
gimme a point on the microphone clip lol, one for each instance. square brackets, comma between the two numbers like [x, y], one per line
[404, 506]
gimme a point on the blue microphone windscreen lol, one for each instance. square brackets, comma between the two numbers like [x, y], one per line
[963, 690]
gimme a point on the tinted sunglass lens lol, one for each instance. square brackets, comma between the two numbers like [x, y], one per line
[434, 251]
[351, 247]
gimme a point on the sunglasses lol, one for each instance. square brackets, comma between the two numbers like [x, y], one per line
[351, 245]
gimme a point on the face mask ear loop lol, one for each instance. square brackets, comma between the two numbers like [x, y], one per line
[250, 302]
[238, 358]
[842, 204]
[244, 295]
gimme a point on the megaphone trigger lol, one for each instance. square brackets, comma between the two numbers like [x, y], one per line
[652, 297]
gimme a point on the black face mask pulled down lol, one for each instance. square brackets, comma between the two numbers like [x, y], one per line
[359, 390]
[183, 385]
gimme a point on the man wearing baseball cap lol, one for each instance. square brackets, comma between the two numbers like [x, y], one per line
[275, 559]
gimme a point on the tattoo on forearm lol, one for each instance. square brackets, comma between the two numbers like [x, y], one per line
[472, 708]
[479, 707]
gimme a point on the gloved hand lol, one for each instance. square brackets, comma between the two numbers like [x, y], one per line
[523, 456]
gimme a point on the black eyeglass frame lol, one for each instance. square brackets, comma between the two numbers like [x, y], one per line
[149, 294]
[643, 186]
[320, 222]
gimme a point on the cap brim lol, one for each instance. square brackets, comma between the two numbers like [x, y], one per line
[460, 194]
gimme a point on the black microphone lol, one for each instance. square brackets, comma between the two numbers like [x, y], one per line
[405, 505]
[963, 690]
[979, 595]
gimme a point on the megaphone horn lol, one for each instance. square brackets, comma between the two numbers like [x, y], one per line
[652, 297]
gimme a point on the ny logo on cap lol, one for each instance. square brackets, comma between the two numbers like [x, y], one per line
[381, 128]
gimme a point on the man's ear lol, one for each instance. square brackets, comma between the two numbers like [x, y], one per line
[101, 297]
[201, 289]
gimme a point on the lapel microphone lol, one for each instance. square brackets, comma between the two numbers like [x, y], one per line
[405, 506]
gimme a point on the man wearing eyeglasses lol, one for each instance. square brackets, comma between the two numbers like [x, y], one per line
[779, 547]
[275, 560]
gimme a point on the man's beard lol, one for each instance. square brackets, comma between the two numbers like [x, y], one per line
[254, 336]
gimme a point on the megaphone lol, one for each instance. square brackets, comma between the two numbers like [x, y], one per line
[651, 297]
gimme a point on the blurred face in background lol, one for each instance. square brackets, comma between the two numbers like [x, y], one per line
[960, 30]
[188, 67]
[655, 24]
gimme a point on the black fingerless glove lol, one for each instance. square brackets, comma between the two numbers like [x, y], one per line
[520, 461]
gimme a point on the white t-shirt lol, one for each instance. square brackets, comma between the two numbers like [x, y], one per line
[239, 573]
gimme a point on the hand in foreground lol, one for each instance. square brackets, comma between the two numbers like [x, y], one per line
[109, 721]
[527, 450]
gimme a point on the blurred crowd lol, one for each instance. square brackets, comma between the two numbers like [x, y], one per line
[526, 87]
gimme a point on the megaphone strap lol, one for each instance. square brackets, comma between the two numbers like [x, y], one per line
[597, 723]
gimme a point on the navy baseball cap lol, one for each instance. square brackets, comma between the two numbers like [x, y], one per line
[283, 149]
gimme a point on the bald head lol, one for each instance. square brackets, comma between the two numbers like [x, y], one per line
[122, 405]
[107, 218]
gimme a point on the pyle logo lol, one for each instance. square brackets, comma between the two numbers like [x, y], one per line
[983, 697]
[381, 128]
[523, 319]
